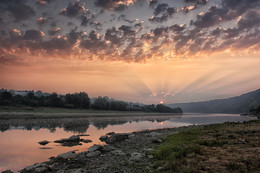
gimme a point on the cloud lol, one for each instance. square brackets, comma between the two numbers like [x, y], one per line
[41, 20]
[228, 10]
[187, 9]
[152, 3]
[127, 30]
[33, 35]
[200, 2]
[123, 17]
[74, 9]
[164, 11]
[116, 5]
[160, 9]
[20, 11]
[54, 31]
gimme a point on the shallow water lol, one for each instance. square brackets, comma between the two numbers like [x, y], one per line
[19, 138]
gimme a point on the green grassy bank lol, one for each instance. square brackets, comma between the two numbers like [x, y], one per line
[229, 147]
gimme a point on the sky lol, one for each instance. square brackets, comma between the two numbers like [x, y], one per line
[147, 51]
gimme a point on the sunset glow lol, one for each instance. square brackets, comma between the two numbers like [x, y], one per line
[133, 50]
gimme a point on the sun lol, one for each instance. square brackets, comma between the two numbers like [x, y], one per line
[161, 102]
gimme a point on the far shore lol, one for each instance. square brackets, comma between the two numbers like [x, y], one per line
[9, 112]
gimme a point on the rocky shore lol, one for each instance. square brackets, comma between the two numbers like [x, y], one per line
[227, 147]
[127, 152]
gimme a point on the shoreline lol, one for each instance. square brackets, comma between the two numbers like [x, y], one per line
[138, 151]
[18, 115]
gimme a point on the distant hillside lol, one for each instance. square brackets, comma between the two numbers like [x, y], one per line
[238, 104]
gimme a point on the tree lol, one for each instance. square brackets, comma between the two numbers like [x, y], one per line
[77, 100]
[6, 95]
[101, 103]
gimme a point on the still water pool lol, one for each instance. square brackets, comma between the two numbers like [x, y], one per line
[19, 139]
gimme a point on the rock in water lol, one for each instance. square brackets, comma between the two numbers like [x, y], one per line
[117, 137]
[70, 139]
[110, 133]
[44, 142]
[103, 138]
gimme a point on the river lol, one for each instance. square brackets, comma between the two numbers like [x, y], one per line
[19, 138]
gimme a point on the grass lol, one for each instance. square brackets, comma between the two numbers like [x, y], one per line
[51, 112]
[213, 148]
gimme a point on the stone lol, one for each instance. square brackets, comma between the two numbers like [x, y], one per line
[108, 148]
[94, 153]
[118, 153]
[68, 155]
[153, 134]
[131, 136]
[41, 169]
[44, 142]
[103, 138]
[110, 133]
[45, 148]
[117, 137]
[86, 140]
[73, 138]
[83, 135]
[136, 157]
[80, 170]
[156, 141]
[95, 148]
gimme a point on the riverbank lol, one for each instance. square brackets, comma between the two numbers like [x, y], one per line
[9, 112]
[229, 147]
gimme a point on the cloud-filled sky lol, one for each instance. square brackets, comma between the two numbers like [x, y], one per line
[136, 50]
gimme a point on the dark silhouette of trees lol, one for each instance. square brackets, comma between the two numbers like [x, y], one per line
[5, 98]
[79, 100]
[101, 103]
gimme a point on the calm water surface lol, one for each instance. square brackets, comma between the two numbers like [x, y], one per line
[19, 138]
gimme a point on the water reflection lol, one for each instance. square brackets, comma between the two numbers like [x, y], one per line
[79, 125]
[19, 138]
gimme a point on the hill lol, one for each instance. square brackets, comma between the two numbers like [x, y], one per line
[239, 104]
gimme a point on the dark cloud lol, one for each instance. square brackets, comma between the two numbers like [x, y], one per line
[127, 30]
[33, 35]
[1, 21]
[166, 14]
[117, 5]
[113, 35]
[251, 20]
[54, 31]
[123, 18]
[160, 9]
[41, 20]
[152, 3]
[94, 43]
[73, 10]
[228, 10]
[203, 2]
[96, 25]
[20, 11]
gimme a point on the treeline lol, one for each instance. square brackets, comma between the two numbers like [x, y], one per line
[80, 100]
[255, 111]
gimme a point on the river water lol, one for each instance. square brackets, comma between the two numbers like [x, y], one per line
[19, 139]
